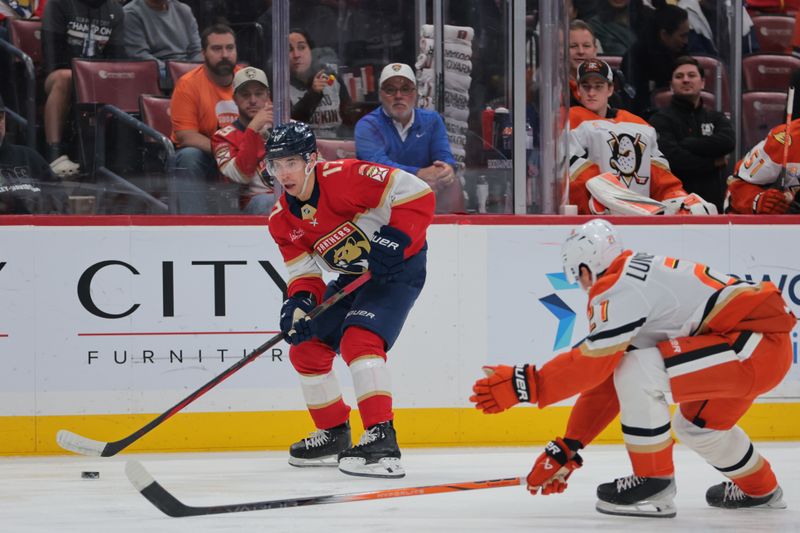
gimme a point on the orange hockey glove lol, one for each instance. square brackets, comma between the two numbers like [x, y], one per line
[554, 466]
[504, 387]
[771, 202]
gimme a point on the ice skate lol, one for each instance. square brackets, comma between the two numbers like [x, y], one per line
[322, 447]
[63, 167]
[375, 455]
[638, 496]
[728, 495]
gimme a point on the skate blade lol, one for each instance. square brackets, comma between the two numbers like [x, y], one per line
[387, 467]
[328, 460]
[646, 508]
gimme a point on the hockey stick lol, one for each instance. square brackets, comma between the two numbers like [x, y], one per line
[781, 181]
[171, 506]
[76, 443]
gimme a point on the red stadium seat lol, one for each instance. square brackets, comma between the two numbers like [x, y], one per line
[613, 61]
[768, 72]
[712, 68]
[331, 149]
[662, 97]
[118, 83]
[176, 69]
[27, 36]
[155, 111]
[774, 33]
[761, 111]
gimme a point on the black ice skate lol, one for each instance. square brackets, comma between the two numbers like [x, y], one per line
[322, 447]
[638, 496]
[728, 495]
[375, 455]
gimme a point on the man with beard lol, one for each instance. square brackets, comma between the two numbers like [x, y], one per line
[202, 103]
[27, 183]
[239, 148]
[86, 29]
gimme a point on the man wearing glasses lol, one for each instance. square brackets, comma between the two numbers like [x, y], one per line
[398, 134]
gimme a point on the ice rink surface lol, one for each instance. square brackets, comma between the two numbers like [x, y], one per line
[47, 494]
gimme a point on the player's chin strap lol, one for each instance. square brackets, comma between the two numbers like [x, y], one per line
[308, 171]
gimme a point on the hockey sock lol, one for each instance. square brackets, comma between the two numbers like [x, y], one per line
[324, 400]
[759, 483]
[363, 352]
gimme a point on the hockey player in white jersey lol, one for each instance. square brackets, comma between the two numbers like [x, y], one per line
[656, 325]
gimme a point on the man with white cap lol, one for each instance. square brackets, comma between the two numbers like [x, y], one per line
[239, 148]
[398, 134]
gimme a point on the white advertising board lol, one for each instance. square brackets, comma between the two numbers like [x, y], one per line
[129, 319]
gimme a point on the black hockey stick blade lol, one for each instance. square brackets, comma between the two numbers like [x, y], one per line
[171, 506]
[73, 442]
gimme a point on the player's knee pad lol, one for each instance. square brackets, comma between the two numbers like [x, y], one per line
[359, 342]
[311, 358]
[730, 451]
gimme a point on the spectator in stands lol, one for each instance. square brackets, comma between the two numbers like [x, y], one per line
[27, 183]
[317, 96]
[766, 180]
[604, 140]
[696, 140]
[202, 103]
[613, 25]
[88, 29]
[648, 64]
[240, 147]
[162, 30]
[398, 134]
[582, 46]
[703, 17]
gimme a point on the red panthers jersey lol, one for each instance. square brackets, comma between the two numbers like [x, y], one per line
[351, 200]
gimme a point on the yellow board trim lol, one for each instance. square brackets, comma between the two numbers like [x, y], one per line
[276, 430]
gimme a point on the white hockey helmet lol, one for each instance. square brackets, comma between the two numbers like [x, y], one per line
[595, 244]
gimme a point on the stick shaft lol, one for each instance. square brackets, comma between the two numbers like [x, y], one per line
[786, 138]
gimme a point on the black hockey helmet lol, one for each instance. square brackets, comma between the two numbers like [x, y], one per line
[292, 138]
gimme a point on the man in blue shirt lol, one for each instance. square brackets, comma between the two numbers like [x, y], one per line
[398, 134]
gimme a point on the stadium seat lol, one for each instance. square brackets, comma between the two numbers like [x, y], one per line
[331, 149]
[712, 66]
[662, 97]
[774, 33]
[27, 36]
[615, 62]
[768, 72]
[761, 111]
[118, 83]
[155, 112]
[176, 69]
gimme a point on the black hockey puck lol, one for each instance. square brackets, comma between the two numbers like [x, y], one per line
[90, 475]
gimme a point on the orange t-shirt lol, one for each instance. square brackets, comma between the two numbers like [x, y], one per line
[198, 104]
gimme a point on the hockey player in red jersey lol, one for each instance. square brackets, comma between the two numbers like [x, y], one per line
[656, 325]
[347, 217]
[604, 139]
[755, 187]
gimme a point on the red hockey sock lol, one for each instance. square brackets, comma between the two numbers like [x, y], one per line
[331, 415]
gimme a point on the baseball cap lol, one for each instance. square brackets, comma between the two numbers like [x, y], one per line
[397, 69]
[595, 67]
[249, 74]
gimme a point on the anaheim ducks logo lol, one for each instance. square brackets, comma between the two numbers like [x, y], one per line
[345, 249]
[626, 157]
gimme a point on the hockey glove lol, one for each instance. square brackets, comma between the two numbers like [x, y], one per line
[771, 202]
[386, 253]
[295, 325]
[504, 387]
[554, 466]
[691, 204]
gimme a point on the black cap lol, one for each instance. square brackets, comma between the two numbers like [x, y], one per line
[595, 67]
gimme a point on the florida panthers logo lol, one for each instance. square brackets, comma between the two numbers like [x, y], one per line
[626, 157]
[345, 249]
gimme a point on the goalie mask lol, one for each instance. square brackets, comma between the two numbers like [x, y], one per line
[595, 244]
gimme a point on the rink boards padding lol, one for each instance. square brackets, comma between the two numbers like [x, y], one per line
[108, 321]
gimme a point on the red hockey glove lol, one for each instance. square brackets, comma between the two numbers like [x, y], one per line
[772, 202]
[553, 467]
[504, 387]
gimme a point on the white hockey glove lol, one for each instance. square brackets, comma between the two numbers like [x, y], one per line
[610, 197]
[692, 204]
